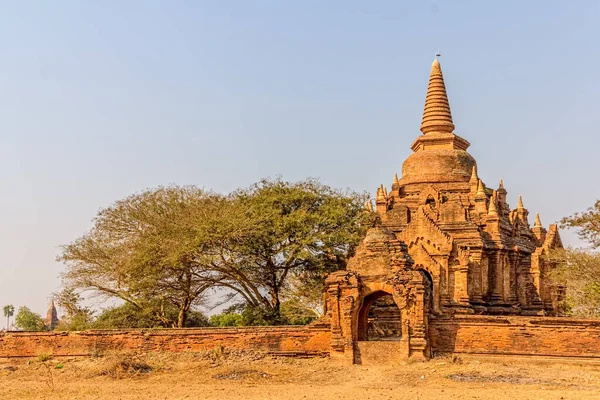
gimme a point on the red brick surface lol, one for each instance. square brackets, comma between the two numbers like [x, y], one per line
[28, 344]
[516, 335]
[499, 335]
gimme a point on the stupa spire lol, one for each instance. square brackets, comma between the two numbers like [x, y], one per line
[481, 189]
[436, 115]
[538, 221]
[492, 209]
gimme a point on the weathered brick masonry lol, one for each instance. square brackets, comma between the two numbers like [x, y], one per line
[515, 335]
[466, 334]
[298, 339]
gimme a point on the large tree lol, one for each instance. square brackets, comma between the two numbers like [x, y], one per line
[579, 268]
[291, 230]
[28, 320]
[149, 251]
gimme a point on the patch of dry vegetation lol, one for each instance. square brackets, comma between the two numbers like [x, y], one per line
[232, 374]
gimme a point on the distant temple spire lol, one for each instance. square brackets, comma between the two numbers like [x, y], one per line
[52, 316]
[437, 116]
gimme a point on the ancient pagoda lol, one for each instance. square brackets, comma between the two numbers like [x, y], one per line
[445, 243]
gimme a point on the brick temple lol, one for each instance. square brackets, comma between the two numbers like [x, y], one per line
[445, 244]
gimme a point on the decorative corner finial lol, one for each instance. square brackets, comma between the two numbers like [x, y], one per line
[480, 189]
[493, 210]
[520, 203]
[538, 221]
[474, 177]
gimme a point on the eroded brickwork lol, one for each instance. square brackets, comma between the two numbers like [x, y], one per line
[274, 339]
[513, 335]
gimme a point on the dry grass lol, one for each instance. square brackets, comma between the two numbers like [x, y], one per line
[230, 374]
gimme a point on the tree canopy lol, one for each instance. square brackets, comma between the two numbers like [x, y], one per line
[28, 320]
[169, 248]
[579, 268]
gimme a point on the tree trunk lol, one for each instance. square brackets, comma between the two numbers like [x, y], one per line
[183, 313]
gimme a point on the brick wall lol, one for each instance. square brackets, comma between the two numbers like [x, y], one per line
[502, 335]
[543, 336]
[284, 338]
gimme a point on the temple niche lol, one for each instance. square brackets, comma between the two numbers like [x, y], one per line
[445, 243]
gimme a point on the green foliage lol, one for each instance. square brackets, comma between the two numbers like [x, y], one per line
[27, 320]
[78, 322]
[579, 269]
[291, 230]
[291, 313]
[77, 317]
[586, 224]
[226, 319]
[295, 313]
[163, 249]
[128, 316]
[9, 311]
[148, 248]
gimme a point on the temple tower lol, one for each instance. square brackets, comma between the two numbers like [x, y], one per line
[445, 243]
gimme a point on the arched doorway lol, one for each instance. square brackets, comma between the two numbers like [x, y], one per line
[428, 290]
[379, 318]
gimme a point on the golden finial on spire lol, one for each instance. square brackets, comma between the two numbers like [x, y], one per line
[396, 180]
[436, 115]
[501, 186]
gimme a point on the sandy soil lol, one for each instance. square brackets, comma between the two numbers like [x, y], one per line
[223, 375]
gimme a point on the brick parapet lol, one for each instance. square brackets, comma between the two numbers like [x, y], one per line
[274, 339]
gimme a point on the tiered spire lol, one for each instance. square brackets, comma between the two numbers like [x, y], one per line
[436, 116]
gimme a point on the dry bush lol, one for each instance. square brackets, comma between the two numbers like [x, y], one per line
[122, 365]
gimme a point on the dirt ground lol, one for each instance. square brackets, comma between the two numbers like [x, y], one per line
[221, 374]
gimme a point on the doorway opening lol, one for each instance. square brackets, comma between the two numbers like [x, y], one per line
[379, 318]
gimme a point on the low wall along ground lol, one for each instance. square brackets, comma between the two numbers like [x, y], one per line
[269, 339]
[490, 335]
[507, 335]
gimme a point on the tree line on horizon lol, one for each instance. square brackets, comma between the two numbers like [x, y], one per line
[262, 252]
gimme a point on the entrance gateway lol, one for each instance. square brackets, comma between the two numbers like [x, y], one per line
[444, 244]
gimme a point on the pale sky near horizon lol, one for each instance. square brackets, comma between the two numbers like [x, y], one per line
[102, 99]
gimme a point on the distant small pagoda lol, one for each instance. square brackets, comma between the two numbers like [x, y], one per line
[51, 316]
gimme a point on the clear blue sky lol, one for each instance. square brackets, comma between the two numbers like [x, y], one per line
[102, 99]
